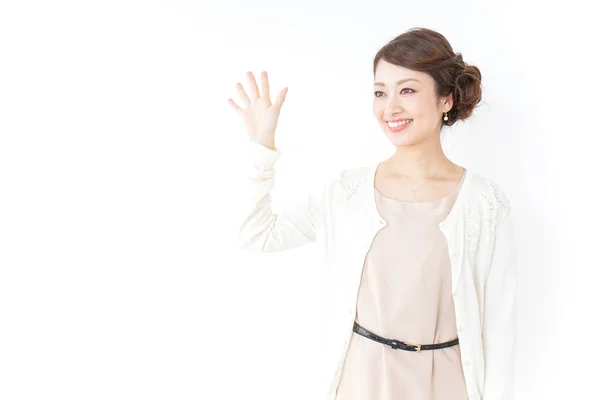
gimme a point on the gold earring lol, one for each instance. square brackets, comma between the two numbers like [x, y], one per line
[445, 116]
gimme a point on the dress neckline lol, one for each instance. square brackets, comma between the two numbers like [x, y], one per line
[443, 205]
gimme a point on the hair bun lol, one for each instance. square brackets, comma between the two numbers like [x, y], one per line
[459, 59]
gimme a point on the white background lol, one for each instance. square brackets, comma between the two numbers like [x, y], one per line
[119, 157]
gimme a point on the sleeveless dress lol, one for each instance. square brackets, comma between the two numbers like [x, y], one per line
[406, 294]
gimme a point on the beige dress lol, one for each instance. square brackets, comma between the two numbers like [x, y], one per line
[405, 294]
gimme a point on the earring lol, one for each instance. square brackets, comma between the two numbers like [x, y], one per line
[445, 116]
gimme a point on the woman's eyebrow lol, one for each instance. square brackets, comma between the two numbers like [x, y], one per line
[401, 81]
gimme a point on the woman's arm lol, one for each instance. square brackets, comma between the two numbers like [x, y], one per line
[499, 323]
[262, 230]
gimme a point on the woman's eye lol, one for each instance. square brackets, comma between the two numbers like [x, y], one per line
[402, 91]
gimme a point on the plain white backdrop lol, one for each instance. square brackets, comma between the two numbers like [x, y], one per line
[119, 160]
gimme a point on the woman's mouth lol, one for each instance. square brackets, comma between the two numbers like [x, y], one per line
[398, 126]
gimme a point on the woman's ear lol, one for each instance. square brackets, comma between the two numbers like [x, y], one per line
[448, 102]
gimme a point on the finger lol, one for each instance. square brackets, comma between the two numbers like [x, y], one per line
[235, 106]
[281, 97]
[265, 88]
[253, 86]
[243, 94]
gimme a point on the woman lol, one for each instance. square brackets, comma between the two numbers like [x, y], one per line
[418, 250]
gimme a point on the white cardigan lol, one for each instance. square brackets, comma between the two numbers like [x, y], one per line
[342, 218]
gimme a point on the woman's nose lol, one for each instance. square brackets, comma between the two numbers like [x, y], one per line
[392, 107]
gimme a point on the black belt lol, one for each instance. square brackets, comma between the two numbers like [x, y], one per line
[404, 345]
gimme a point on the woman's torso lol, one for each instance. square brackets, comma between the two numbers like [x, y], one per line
[405, 294]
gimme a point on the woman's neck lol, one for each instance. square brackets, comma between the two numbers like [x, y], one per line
[418, 163]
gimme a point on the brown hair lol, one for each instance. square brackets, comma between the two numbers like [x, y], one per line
[425, 50]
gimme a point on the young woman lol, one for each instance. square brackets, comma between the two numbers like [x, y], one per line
[418, 250]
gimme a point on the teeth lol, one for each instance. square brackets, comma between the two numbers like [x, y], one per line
[397, 124]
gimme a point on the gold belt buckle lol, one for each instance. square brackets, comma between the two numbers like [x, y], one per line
[418, 346]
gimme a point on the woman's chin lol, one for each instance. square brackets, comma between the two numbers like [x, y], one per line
[405, 137]
[398, 139]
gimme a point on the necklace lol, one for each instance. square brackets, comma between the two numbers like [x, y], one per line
[414, 192]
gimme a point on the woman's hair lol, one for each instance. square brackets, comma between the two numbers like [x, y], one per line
[425, 50]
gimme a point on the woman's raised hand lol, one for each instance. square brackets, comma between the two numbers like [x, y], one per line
[259, 114]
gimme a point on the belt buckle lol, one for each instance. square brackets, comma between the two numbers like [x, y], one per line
[418, 346]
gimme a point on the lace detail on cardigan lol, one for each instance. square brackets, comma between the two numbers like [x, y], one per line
[481, 222]
[350, 187]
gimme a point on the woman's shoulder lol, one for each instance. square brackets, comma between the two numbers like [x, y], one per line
[487, 193]
[349, 177]
[354, 172]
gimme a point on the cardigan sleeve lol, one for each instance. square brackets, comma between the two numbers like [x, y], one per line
[499, 321]
[262, 230]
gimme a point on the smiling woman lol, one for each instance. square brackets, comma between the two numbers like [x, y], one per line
[406, 291]
[420, 293]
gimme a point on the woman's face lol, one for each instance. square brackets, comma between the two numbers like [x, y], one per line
[413, 98]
